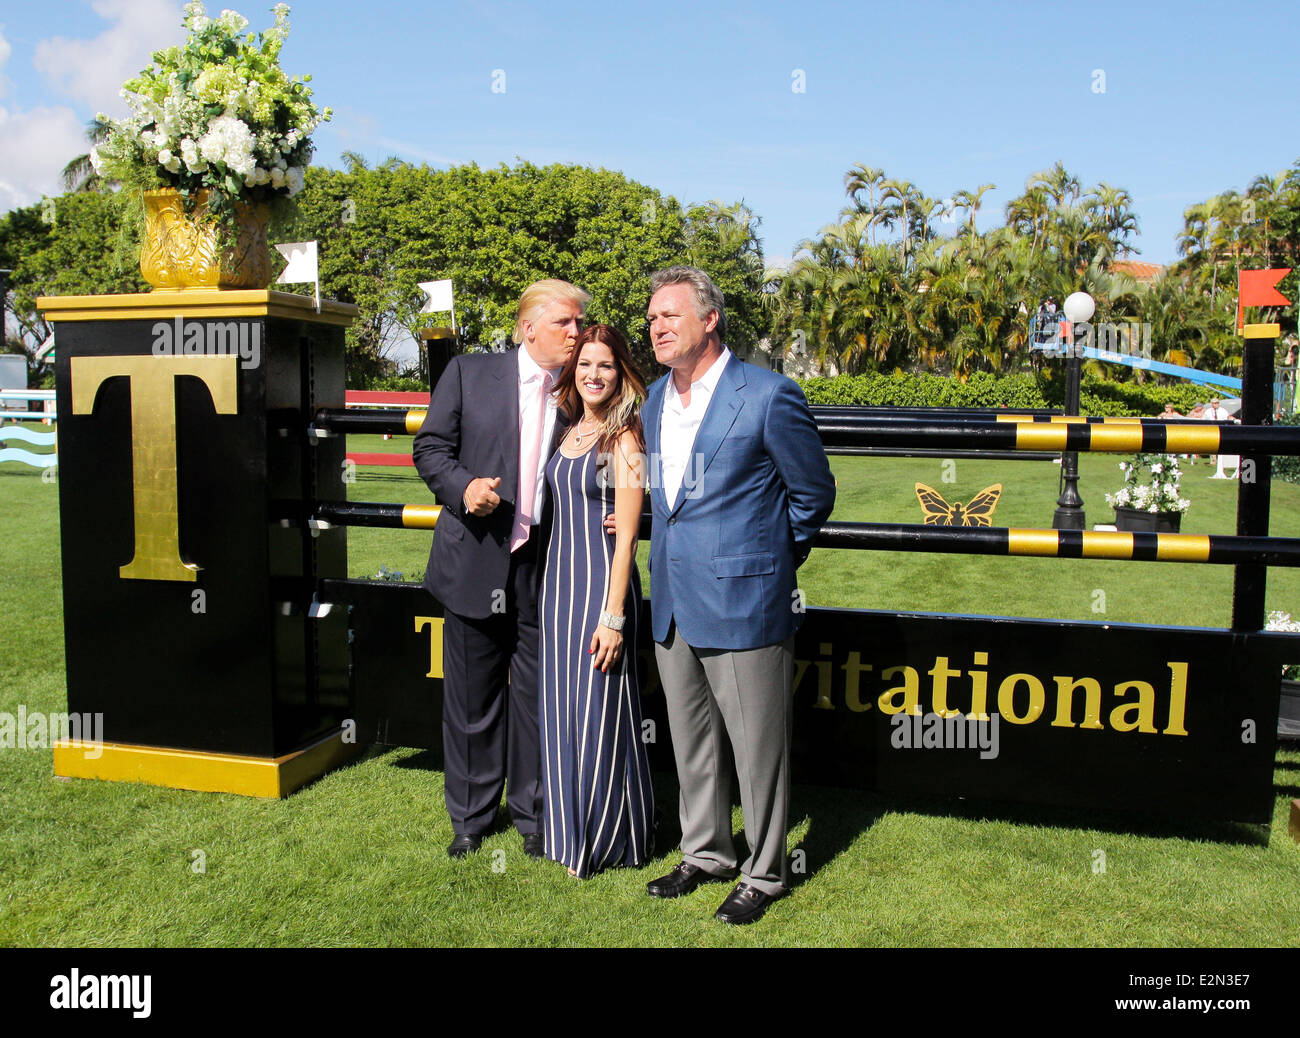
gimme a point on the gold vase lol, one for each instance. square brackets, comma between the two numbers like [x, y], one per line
[182, 251]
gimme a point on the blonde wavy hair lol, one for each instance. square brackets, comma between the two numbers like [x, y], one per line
[541, 294]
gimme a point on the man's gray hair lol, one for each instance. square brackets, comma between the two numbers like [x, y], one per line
[707, 294]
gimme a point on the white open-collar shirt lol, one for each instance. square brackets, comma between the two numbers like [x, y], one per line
[530, 377]
[678, 425]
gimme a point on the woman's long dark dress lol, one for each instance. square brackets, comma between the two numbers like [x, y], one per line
[595, 772]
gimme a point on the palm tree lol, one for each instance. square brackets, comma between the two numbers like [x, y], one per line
[1058, 183]
[970, 201]
[79, 175]
[923, 210]
[901, 193]
[1226, 230]
[1028, 214]
[864, 178]
[357, 163]
[1267, 192]
[1115, 210]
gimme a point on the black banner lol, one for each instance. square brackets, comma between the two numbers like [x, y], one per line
[1178, 721]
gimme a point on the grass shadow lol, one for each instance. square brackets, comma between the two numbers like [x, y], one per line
[836, 818]
[1136, 823]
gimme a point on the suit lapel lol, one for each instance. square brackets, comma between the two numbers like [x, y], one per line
[651, 416]
[557, 432]
[724, 407]
[506, 372]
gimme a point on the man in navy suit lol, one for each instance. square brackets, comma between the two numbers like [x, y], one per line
[739, 488]
[482, 449]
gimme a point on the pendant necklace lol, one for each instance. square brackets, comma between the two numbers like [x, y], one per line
[579, 435]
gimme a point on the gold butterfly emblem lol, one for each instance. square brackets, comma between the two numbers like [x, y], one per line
[939, 513]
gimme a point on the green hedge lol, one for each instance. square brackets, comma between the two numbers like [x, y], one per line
[1096, 396]
[1287, 468]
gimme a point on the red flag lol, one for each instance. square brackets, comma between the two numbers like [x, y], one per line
[1257, 288]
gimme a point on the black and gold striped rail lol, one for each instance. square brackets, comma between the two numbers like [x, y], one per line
[858, 431]
[396, 421]
[1063, 544]
[372, 513]
[955, 540]
[1111, 437]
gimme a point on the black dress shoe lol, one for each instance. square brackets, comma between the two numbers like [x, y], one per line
[463, 844]
[684, 878]
[534, 847]
[745, 904]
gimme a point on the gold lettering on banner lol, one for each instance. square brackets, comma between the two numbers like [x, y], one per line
[434, 623]
[1139, 716]
[153, 445]
[941, 672]
[1065, 686]
[1007, 699]
[911, 689]
[853, 671]
[979, 690]
[1177, 699]
[1021, 698]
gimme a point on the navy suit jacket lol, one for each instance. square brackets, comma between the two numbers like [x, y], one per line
[472, 430]
[757, 490]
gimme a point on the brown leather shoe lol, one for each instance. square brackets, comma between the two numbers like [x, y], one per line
[684, 878]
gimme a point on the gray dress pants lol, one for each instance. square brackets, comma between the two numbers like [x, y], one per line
[746, 697]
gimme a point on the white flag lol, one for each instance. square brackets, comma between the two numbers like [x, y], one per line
[302, 262]
[439, 293]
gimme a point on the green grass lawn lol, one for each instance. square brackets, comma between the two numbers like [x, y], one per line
[358, 857]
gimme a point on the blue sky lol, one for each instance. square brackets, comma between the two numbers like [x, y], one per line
[698, 101]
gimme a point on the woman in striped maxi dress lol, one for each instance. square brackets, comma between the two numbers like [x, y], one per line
[595, 772]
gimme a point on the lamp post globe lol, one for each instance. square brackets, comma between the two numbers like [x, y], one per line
[1079, 307]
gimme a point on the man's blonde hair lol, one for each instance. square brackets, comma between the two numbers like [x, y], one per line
[541, 294]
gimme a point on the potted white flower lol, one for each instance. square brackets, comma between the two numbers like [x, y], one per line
[1149, 499]
[218, 136]
[1288, 720]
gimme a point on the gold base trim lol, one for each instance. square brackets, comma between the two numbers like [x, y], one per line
[271, 777]
[196, 304]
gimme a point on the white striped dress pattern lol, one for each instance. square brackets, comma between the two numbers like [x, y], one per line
[595, 771]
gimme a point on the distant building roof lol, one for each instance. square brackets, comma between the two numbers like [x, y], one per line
[1144, 272]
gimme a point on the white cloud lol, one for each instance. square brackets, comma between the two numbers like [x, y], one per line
[4, 57]
[92, 71]
[39, 142]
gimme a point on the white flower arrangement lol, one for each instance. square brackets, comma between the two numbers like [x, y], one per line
[217, 114]
[1280, 621]
[1150, 485]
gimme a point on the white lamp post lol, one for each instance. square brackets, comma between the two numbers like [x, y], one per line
[1079, 307]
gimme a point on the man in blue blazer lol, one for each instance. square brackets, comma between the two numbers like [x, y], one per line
[739, 487]
[482, 449]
